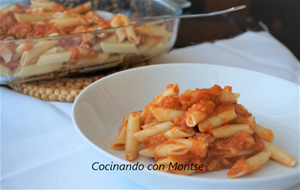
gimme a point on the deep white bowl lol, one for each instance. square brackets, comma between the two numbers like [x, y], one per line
[99, 109]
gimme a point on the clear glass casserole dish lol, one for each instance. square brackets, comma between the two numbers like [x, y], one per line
[81, 42]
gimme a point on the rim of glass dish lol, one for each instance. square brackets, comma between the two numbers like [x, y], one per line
[95, 31]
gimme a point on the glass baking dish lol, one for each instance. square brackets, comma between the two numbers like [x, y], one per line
[24, 60]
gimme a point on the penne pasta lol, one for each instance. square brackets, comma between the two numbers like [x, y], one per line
[110, 39]
[146, 126]
[47, 59]
[236, 153]
[263, 133]
[3, 8]
[51, 51]
[239, 120]
[68, 22]
[38, 48]
[112, 58]
[121, 34]
[145, 114]
[101, 59]
[217, 120]
[243, 167]
[142, 135]
[46, 5]
[166, 163]
[175, 132]
[30, 17]
[11, 8]
[195, 146]
[82, 8]
[229, 130]
[164, 114]
[194, 118]
[6, 72]
[279, 155]
[151, 30]
[131, 144]
[170, 90]
[165, 150]
[119, 142]
[118, 48]
[131, 36]
[227, 96]
[36, 70]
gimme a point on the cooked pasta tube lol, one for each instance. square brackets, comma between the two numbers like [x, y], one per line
[158, 48]
[119, 142]
[131, 145]
[237, 95]
[4, 71]
[165, 150]
[198, 147]
[36, 70]
[227, 96]
[263, 133]
[110, 39]
[37, 49]
[239, 120]
[165, 164]
[188, 91]
[146, 126]
[11, 8]
[47, 59]
[121, 34]
[194, 118]
[46, 5]
[131, 36]
[243, 167]
[175, 132]
[151, 30]
[82, 8]
[118, 48]
[145, 114]
[279, 155]
[229, 130]
[68, 22]
[51, 51]
[235, 153]
[102, 58]
[142, 135]
[172, 89]
[112, 58]
[217, 120]
[3, 8]
[164, 114]
[30, 17]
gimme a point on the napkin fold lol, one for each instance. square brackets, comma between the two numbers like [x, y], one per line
[257, 51]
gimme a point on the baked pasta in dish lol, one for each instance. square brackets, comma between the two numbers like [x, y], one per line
[46, 37]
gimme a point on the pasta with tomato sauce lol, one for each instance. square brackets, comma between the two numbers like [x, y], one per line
[71, 43]
[206, 127]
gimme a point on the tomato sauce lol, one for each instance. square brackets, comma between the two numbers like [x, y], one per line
[155, 140]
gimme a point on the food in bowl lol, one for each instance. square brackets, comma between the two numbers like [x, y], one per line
[199, 131]
[47, 39]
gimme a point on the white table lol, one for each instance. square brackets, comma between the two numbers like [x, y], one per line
[40, 148]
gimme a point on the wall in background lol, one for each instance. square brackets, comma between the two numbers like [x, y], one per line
[282, 17]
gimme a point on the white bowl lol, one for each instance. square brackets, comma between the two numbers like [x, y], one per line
[99, 109]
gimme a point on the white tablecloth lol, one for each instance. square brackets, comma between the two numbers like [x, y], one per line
[40, 148]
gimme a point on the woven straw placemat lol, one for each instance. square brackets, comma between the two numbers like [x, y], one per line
[67, 89]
